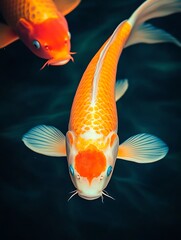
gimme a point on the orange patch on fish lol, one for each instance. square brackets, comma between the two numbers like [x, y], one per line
[102, 115]
[41, 25]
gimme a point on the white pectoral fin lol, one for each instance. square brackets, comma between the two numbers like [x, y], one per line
[146, 33]
[46, 140]
[120, 89]
[142, 148]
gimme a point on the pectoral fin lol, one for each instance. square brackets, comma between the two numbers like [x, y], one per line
[142, 148]
[7, 35]
[120, 89]
[46, 140]
[66, 6]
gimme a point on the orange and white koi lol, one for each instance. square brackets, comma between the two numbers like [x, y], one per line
[41, 25]
[91, 143]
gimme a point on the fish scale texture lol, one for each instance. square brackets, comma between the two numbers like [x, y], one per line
[102, 116]
[35, 11]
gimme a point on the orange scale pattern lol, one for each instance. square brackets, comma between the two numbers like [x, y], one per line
[102, 116]
[35, 11]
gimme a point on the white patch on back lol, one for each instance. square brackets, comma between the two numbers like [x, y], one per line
[91, 134]
[99, 65]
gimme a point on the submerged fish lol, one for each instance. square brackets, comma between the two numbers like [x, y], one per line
[91, 143]
[41, 25]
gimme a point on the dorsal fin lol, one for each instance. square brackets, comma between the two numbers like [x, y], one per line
[66, 6]
[100, 63]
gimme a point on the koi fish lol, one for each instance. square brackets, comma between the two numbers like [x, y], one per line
[41, 25]
[91, 143]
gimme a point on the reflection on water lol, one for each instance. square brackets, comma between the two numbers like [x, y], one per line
[35, 188]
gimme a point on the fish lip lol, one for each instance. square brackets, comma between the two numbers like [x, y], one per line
[57, 61]
[60, 61]
[89, 197]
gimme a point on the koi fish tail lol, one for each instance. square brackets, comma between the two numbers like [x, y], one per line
[146, 33]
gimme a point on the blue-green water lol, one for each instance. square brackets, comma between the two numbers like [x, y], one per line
[34, 188]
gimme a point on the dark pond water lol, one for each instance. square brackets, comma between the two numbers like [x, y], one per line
[34, 188]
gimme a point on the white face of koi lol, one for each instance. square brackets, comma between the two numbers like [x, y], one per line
[91, 168]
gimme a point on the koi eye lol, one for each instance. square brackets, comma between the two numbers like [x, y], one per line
[109, 170]
[69, 34]
[36, 44]
[71, 170]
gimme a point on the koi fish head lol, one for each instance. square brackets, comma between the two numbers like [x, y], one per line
[91, 165]
[49, 39]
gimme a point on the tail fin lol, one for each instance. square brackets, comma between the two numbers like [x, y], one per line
[146, 33]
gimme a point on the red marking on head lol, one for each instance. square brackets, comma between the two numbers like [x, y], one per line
[90, 163]
[53, 36]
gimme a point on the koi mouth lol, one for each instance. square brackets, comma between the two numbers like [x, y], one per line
[58, 62]
[76, 192]
[102, 194]
[89, 198]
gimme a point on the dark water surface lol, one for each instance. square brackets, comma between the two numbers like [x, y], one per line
[34, 188]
